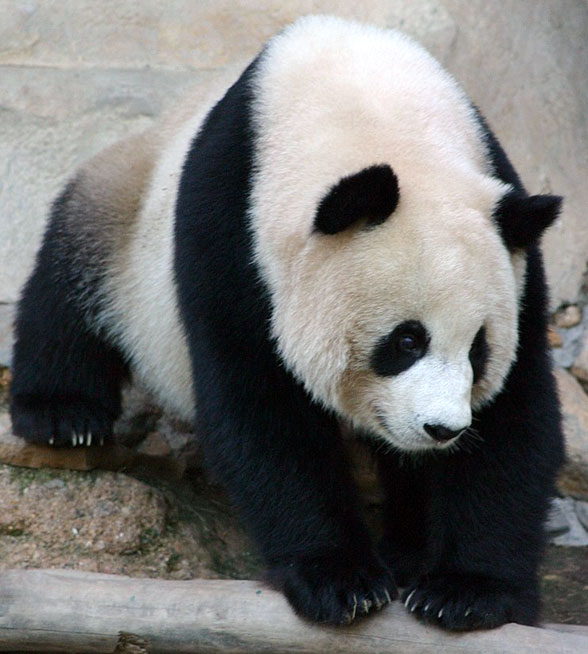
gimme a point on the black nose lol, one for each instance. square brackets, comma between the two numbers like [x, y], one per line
[441, 433]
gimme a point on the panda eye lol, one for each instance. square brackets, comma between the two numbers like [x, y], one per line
[402, 347]
[408, 343]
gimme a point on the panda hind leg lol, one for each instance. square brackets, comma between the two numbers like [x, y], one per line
[66, 386]
[66, 377]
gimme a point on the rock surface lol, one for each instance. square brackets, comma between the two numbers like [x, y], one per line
[6, 318]
[582, 513]
[569, 316]
[574, 401]
[525, 64]
[77, 75]
[113, 523]
[574, 534]
[581, 361]
[108, 513]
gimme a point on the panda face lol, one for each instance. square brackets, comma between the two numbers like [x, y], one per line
[435, 339]
[403, 328]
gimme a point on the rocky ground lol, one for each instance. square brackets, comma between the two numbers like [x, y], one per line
[145, 507]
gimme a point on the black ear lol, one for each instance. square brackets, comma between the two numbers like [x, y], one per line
[522, 218]
[372, 194]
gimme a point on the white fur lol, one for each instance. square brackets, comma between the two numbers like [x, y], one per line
[140, 295]
[332, 98]
[142, 305]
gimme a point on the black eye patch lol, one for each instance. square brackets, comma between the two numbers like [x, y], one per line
[403, 346]
[479, 353]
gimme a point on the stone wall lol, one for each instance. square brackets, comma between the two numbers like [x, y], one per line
[79, 74]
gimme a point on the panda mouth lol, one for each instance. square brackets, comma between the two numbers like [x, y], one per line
[417, 440]
[391, 436]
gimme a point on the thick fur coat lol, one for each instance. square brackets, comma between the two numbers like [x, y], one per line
[339, 238]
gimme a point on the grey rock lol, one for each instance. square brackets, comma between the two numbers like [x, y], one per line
[573, 479]
[557, 522]
[569, 316]
[52, 484]
[181, 34]
[6, 319]
[576, 535]
[574, 404]
[581, 360]
[572, 342]
[582, 513]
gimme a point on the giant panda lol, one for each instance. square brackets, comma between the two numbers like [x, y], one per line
[339, 240]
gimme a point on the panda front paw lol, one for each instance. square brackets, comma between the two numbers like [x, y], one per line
[334, 589]
[466, 602]
[60, 424]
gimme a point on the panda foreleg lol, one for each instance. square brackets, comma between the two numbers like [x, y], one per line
[66, 378]
[486, 537]
[284, 464]
[485, 534]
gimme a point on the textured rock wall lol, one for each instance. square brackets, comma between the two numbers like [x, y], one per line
[77, 75]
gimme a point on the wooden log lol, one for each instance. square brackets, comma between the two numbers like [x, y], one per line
[65, 611]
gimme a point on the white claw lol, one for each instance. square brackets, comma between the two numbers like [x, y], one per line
[440, 614]
[388, 597]
[354, 607]
[52, 440]
[74, 439]
[468, 611]
[80, 439]
[407, 600]
[413, 609]
[427, 607]
[366, 606]
[89, 439]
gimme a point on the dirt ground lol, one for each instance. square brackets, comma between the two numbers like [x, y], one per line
[564, 581]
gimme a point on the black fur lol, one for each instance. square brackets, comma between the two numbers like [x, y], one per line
[371, 194]
[522, 219]
[279, 454]
[66, 377]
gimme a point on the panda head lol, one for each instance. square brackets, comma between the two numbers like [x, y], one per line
[432, 303]
[390, 250]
